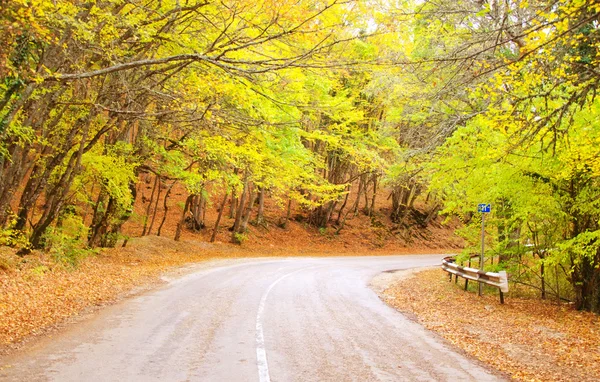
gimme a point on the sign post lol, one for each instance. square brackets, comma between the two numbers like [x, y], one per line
[484, 209]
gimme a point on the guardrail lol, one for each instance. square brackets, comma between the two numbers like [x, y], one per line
[498, 280]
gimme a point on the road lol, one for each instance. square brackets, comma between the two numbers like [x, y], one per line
[296, 319]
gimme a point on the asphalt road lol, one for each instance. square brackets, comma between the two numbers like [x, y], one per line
[298, 319]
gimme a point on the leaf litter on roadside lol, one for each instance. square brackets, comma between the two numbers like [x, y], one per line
[529, 339]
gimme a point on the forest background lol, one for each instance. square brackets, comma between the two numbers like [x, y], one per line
[315, 106]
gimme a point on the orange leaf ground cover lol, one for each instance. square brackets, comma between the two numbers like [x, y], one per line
[529, 339]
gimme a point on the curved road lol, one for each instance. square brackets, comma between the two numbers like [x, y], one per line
[296, 319]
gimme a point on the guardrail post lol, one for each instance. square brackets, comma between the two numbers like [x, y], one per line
[467, 280]
[501, 297]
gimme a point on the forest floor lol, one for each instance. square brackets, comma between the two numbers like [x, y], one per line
[529, 339]
[358, 233]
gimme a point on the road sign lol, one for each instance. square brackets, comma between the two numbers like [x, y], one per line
[484, 208]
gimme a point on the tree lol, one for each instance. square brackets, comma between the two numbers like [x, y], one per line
[81, 77]
[532, 150]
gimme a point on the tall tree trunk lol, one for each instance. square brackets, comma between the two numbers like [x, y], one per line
[40, 172]
[96, 227]
[234, 199]
[411, 196]
[432, 214]
[11, 179]
[204, 202]
[116, 226]
[240, 209]
[365, 209]
[154, 212]
[543, 277]
[197, 211]
[100, 231]
[166, 209]
[60, 192]
[358, 195]
[182, 220]
[337, 221]
[328, 213]
[288, 214]
[373, 198]
[248, 212]
[148, 209]
[216, 229]
[260, 217]
[233, 206]
[106, 224]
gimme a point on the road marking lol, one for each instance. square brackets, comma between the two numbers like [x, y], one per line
[261, 352]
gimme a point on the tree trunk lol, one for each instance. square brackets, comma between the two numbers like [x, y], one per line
[543, 277]
[60, 191]
[99, 212]
[358, 196]
[374, 197]
[234, 199]
[197, 211]
[288, 214]
[587, 284]
[216, 229]
[365, 209]
[182, 220]
[260, 217]
[431, 215]
[248, 212]
[233, 206]
[337, 221]
[240, 208]
[166, 208]
[328, 214]
[155, 211]
[116, 226]
[39, 177]
[148, 209]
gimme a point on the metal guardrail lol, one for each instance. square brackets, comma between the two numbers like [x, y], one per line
[498, 280]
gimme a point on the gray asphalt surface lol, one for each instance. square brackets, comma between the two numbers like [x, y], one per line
[297, 319]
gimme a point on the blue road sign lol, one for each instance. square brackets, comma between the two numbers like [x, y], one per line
[484, 208]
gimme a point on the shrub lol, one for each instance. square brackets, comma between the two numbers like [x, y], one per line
[67, 241]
